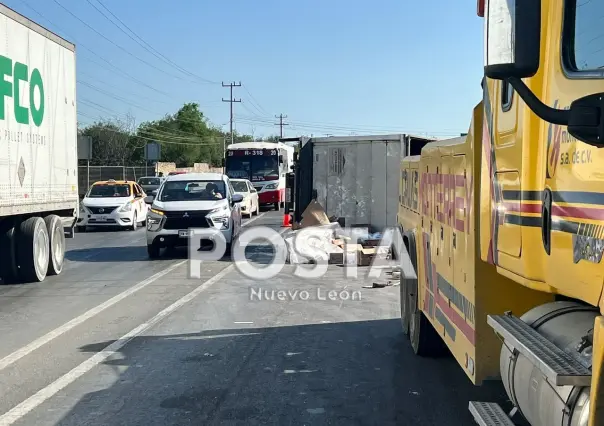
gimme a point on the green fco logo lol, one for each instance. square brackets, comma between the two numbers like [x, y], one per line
[20, 73]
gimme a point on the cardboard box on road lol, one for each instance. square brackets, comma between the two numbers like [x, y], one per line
[368, 254]
[346, 255]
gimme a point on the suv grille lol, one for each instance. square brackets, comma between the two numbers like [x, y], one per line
[102, 210]
[186, 219]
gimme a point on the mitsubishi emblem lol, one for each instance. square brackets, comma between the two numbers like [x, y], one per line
[185, 215]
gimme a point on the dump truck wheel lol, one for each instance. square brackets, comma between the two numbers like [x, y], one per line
[405, 284]
[425, 341]
[404, 302]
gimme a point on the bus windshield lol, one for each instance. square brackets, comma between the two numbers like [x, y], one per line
[253, 168]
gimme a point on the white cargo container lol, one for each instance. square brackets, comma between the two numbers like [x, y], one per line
[357, 177]
[38, 148]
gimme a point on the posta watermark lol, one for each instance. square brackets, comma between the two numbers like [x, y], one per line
[309, 249]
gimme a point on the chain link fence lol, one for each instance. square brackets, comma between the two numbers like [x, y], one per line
[87, 175]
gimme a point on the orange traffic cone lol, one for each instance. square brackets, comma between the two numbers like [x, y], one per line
[286, 220]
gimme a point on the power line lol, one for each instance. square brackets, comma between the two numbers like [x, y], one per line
[281, 123]
[143, 43]
[268, 122]
[231, 101]
[159, 139]
[138, 95]
[115, 44]
[92, 51]
[119, 98]
[257, 105]
[182, 134]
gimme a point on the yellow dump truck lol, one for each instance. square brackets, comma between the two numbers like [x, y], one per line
[505, 226]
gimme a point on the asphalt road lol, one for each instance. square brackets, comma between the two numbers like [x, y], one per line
[117, 339]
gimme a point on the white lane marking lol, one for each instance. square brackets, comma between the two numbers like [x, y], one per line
[243, 322]
[247, 222]
[27, 349]
[62, 382]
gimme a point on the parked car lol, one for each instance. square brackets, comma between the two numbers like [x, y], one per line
[250, 204]
[192, 200]
[150, 183]
[113, 203]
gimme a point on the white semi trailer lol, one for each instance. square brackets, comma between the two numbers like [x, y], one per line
[38, 149]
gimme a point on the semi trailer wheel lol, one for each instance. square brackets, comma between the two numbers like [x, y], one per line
[9, 271]
[33, 247]
[56, 235]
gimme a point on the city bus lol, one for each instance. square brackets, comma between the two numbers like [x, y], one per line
[265, 164]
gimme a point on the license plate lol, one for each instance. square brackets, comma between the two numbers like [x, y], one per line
[185, 233]
[101, 218]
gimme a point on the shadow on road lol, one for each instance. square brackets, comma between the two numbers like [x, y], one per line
[261, 254]
[355, 373]
[108, 254]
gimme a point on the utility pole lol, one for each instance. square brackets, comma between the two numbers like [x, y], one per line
[281, 123]
[231, 100]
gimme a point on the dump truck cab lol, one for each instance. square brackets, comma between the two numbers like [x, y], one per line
[546, 229]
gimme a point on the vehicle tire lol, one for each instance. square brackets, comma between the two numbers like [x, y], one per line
[9, 272]
[277, 207]
[404, 303]
[405, 285]
[134, 223]
[153, 251]
[255, 212]
[80, 228]
[33, 247]
[171, 250]
[56, 236]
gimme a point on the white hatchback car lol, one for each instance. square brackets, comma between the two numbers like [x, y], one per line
[113, 203]
[250, 204]
[192, 200]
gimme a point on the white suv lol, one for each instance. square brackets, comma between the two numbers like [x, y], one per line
[192, 200]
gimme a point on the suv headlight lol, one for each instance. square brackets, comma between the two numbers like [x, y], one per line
[220, 217]
[126, 207]
[219, 211]
[271, 186]
[155, 220]
[221, 222]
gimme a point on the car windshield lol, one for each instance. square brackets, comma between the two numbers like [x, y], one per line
[193, 190]
[149, 181]
[104, 190]
[240, 186]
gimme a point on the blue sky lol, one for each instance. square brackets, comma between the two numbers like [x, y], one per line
[333, 67]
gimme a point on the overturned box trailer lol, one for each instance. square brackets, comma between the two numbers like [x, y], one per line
[354, 177]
